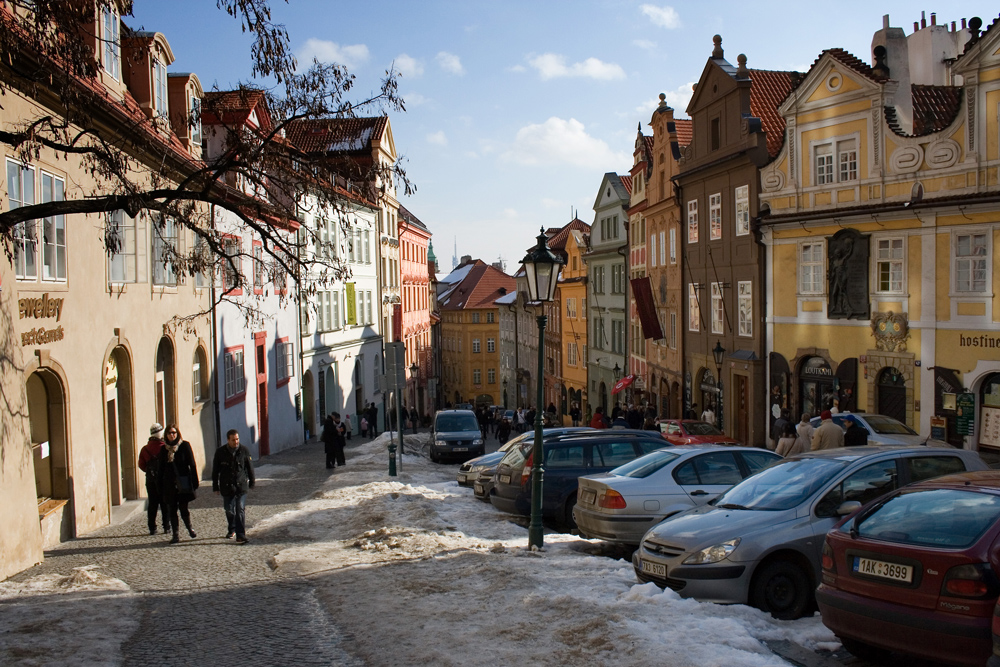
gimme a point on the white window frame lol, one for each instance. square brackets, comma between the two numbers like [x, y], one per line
[718, 311]
[476, 346]
[652, 250]
[694, 308]
[26, 242]
[195, 119]
[164, 274]
[571, 354]
[742, 196]
[236, 380]
[885, 259]
[111, 57]
[673, 330]
[284, 359]
[54, 251]
[160, 93]
[744, 295]
[125, 258]
[618, 336]
[692, 221]
[817, 268]
[970, 260]
[477, 376]
[491, 344]
[491, 376]
[673, 245]
[715, 216]
[571, 307]
[835, 160]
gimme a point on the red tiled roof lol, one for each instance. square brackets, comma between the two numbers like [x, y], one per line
[558, 241]
[627, 182]
[336, 134]
[853, 62]
[480, 287]
[934, 107]
[685, 130]
[648, 142]
[768, 91]
[233, 107]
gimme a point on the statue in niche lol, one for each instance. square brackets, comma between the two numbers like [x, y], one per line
[847, 272]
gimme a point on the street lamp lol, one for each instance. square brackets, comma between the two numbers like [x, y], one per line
[505, 393]
[414, 369]
[719, 353]
[541, 266]
[617, 371]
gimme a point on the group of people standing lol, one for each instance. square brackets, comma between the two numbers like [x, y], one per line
[794, 439]
[172, 481]
[622, 418]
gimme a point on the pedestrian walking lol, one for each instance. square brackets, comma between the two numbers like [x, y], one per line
[232, 476]
[178, 479]
[574, 414]
[503, 431]
[364, 427]
[372, 421]
[856, 435]
[804, 431]
[148, 458]
[414, 418]
[828, 435]
[333, 438]
[787, 442]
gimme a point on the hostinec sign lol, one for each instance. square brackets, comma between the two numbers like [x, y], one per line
[41, 308]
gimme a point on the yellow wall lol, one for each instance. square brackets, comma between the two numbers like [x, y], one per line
[822, 92]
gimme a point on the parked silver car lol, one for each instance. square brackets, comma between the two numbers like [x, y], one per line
[761, 542]
[621, 505]
[882, 430]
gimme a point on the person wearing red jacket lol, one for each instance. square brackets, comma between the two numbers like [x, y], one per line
[598, 420]
[148, 458]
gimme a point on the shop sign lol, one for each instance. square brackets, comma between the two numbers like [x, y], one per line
[989, 431]
[41, 308]
[966, 421]
[939, 428]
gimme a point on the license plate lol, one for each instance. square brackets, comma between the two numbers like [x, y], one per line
[877, 568]
[505, 479]
[460, 449]
[587, 496]
[655, 569]
[461, 478]
[478, 488]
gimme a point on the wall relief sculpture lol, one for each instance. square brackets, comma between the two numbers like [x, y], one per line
[847, 273]
[891, 331]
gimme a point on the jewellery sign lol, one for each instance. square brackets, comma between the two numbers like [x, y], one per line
[41, 308]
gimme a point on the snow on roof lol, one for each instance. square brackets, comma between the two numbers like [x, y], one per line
[506, 299]
[458, 275]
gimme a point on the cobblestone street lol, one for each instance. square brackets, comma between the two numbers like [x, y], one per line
[209, 600]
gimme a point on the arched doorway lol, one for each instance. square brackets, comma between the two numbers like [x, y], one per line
[165, 389]
[817, 387]
[120, 429]
[332, 401]
[891, 394]
[50, 451]
[308, 401]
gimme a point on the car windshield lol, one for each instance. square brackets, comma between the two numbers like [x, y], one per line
[456, 422]
[888, 426]
[511, 444]
[701, 428]
[644, 466]
[947, 518]
[782, 486]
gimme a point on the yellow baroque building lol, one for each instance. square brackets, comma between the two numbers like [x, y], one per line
[883, 224]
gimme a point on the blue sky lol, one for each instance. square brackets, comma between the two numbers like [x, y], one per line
[515, 110]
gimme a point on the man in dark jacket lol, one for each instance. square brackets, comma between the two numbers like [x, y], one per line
[856, 435]
[148, 457]
[232, 476]
[372, 421]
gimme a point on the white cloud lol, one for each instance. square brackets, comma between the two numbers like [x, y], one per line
[449, 62]
[414, 99]
[559, 141]
[553, 65]
[326, 51]
[679, 98]
[409, 66]
[518, 68]
[665, 17]
[644, 44]
[437, 138]
[510, 213]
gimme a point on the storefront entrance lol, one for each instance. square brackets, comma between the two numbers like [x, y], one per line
[817, 386]
[50, 451]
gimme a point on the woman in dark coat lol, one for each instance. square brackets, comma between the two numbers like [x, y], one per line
[178, 478]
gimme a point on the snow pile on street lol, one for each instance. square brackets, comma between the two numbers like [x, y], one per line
[76, 619]
[471, 582]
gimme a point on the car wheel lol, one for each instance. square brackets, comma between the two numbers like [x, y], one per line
[781, 588]
[568, 520]
[864, 651]
[435, 458]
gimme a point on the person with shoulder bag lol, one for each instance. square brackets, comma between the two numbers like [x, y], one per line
[178, 480]
[148, 460]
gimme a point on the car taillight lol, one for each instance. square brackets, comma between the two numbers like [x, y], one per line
[526, 470]
[611, 500]
[975, 580]
[828, 561]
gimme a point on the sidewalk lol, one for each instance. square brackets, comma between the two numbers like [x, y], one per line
[203, 601]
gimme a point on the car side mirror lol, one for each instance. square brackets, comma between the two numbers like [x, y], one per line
[848, 507]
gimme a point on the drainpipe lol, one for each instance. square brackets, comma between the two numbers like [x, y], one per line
[215, 350]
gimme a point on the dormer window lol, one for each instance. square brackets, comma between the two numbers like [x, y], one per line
[111, 51]
[195, 120]
[159, 88]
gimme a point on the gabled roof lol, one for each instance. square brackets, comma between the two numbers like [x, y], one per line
[626, 182]
[340, 135]
[851, 61]
[934, 108]
[768, 91]
[559, 239]
[411, 219]
[480, 288]
[233, 107]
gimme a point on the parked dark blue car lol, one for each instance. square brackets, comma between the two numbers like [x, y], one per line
[567, 458]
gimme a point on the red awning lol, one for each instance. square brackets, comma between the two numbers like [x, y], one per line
[621, 384]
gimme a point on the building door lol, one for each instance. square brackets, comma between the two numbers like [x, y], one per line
[892, 394]
[166, 394]
[50, 451]
[308, 412]
[120, 441]
[263, 428]
[742, 399]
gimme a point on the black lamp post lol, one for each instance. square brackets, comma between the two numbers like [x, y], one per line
[505, 393]
[719, 353]
[414, 370]
[617, 371]
[541, 266]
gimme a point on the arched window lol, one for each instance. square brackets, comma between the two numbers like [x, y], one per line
[199, 375]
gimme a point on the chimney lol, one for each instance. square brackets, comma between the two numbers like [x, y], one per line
[923, 20]
[933, 18]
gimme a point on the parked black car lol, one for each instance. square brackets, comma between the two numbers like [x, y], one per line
[480, 473]
[567, 458]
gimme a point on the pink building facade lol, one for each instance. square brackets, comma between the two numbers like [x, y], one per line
[415, 294]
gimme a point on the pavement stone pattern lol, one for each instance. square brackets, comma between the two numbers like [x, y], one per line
[209, 600]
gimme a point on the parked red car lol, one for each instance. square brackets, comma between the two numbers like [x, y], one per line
[916, 571]
[694, 432]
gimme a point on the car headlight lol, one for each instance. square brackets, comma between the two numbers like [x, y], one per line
[713, 554]
[477, 441]
[476, 468]
[440, 443]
